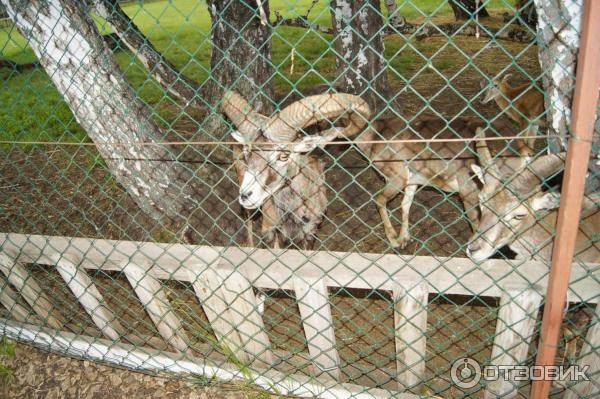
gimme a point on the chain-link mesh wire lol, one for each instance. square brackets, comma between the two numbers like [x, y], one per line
[155, 129]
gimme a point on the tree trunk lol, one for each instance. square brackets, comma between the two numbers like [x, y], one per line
[240, 61]
[360, 63]
[72, 52]
[559, 30]
[467, 9]
[165, 73]
[397, 21]
[241, 54]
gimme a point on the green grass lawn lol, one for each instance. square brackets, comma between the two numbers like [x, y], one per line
[32, 109]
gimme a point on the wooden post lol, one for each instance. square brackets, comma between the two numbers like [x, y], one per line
[89, 297]
[514, 329]
[244, 311]
[152, 295]
[18, 276]
[589, 356]
[410, 321]
[9, 299]
[208, 288]
[576, 165]
[315, 310]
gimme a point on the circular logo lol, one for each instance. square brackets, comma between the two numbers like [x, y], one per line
[465, 373]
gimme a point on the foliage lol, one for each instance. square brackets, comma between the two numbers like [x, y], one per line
[180, 29]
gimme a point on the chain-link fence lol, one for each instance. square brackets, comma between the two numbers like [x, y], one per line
[333, 199]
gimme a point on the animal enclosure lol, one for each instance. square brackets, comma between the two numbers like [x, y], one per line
[324, 199]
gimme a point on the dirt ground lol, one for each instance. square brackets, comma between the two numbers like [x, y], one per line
[38, 374]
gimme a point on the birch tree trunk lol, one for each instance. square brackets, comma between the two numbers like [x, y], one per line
[358, 42]
[466, 9]
[559, 30]
[72, 52]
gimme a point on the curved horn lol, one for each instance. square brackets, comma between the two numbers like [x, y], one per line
[239, 111]
[285, 125]
[547, 165]
[538, 170]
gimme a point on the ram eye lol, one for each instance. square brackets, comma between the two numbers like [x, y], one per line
[284, 156]
[519, 216]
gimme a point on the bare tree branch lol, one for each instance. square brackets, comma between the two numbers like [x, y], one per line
[165, 73]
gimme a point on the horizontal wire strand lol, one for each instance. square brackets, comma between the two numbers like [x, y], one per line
[256, 143]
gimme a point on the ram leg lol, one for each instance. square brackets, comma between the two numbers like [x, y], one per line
[391, 190]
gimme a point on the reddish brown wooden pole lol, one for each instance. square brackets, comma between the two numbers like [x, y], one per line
[578, 154]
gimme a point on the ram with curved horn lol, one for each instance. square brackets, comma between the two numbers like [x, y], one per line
[280, 174]
[516, 211]
[297, 185]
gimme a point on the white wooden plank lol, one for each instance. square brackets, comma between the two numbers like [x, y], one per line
[315, 311]
[30, 290]
[152, 295]
[9, 299]
[271, 269]
[589, 356]
[148, 359]
[243, 306]
[88, 296]
[146, 341]
[514, 330]
[410, 321]
[208, 288]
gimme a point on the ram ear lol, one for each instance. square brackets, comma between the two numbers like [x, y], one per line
[546, 201]
[309, 143]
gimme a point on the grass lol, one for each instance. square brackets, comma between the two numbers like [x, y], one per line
[34, 110]
[7, 351]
